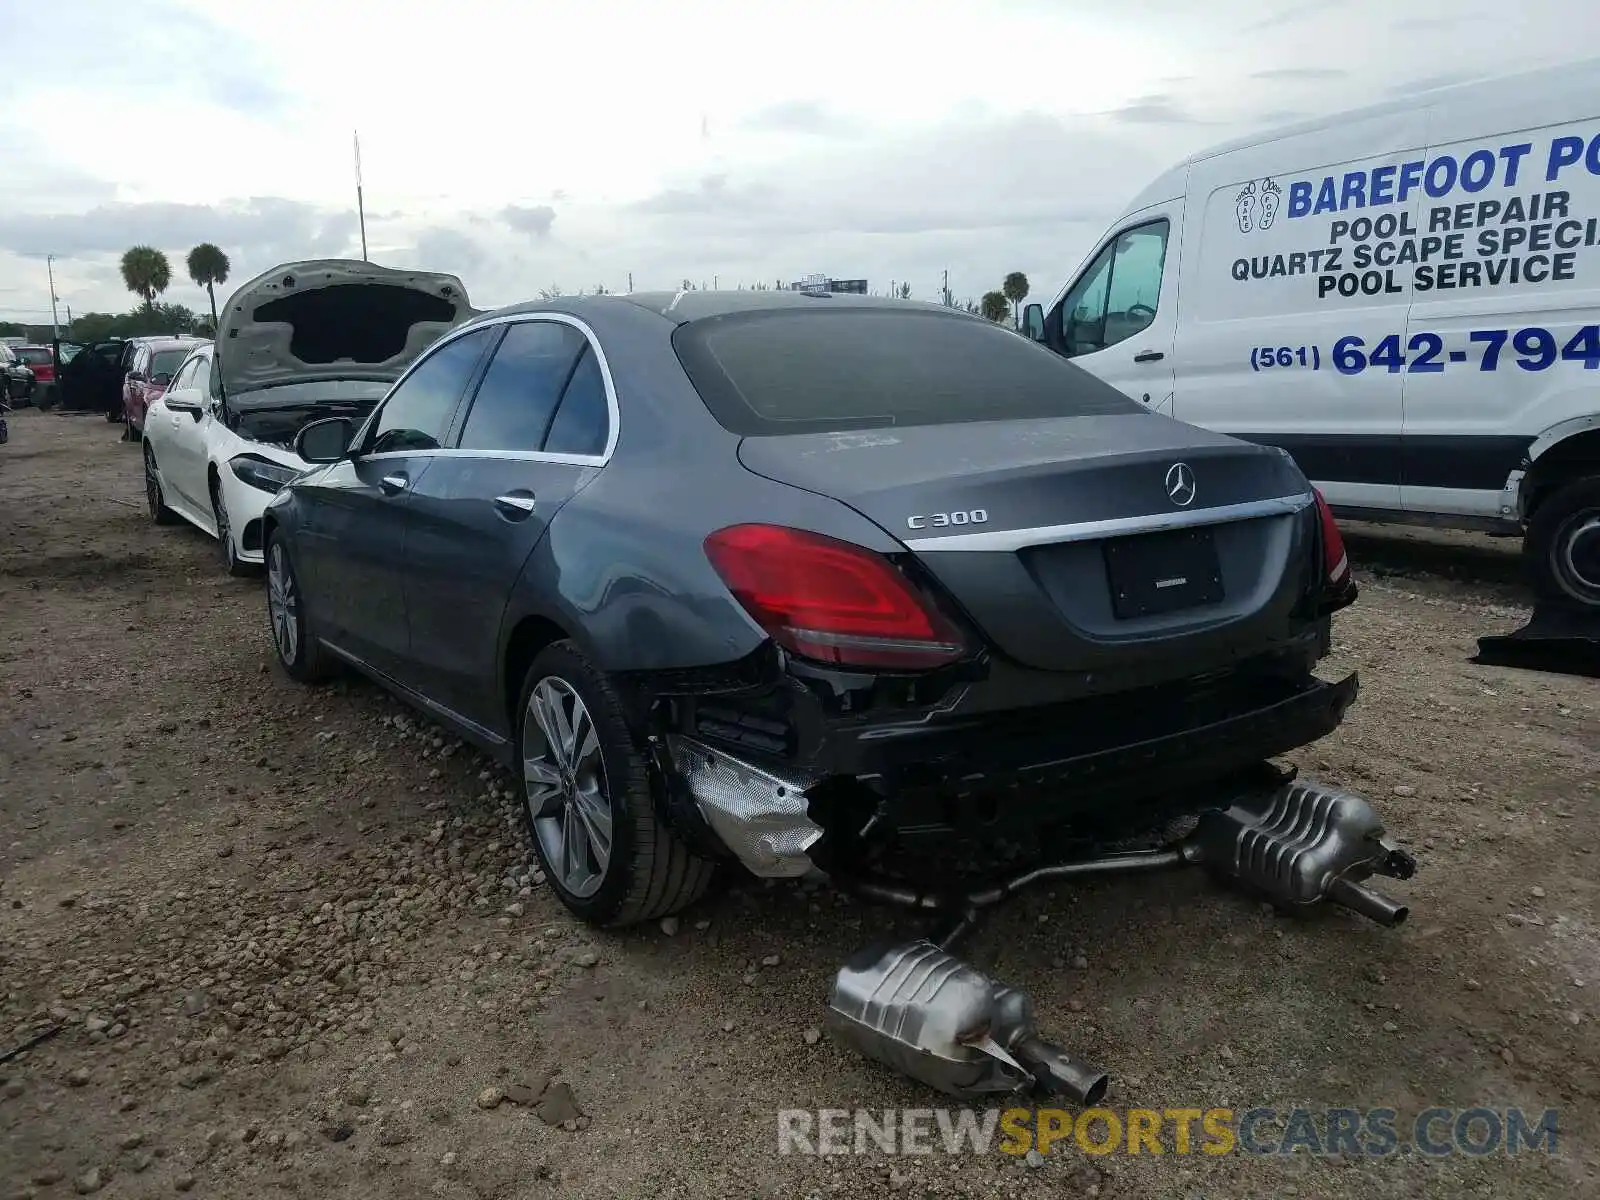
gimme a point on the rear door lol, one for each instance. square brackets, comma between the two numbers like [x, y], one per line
[352, 542]
[1119, 318]
[534, 432]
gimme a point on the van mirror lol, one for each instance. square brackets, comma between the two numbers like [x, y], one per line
[1033, 322]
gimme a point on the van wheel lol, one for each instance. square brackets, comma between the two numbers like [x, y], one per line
[1562, 549]
[587, 799]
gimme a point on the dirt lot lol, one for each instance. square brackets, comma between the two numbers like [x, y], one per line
[291, 937]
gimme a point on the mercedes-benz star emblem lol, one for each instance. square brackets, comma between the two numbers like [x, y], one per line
[1180, 484]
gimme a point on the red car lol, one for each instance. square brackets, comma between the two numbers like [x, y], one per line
[41, 360]
[154, 361]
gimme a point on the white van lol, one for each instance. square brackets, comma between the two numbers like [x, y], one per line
[1404, 297]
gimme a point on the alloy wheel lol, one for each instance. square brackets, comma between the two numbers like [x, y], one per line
[283, 604]
[564, 786]
[219, 509]
[152, 485]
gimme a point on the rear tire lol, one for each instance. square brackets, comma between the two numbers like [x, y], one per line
[154, 499]
[573, 801]
[1562, 548]
[300, 654]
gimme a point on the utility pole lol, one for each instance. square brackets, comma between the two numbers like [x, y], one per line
[944, 290]
[50, 270]
[630, 281]
[361, 207]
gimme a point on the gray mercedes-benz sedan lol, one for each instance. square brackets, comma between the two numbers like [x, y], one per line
[793, 581]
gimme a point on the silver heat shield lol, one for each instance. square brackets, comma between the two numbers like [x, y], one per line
[760, 815]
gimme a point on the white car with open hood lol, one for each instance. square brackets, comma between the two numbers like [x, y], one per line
[304, 341]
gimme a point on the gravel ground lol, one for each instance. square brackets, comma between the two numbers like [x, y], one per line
[293, 944]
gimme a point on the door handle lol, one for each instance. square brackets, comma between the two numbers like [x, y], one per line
[395, 483]
[516, 506]
[1149, 356]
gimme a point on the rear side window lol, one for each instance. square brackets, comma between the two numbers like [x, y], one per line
[517, 398]
[583, 421]
[804, 371]
[165, 362]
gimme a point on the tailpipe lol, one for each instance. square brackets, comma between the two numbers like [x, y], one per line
[923, 1012]
[1302, 844]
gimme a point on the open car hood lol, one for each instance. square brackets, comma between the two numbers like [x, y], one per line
[333, 318]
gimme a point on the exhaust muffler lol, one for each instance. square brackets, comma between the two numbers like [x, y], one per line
[918, 1009]
[1302, 844]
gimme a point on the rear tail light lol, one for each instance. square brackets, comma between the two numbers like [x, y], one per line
[831, 601]
[1335, 559]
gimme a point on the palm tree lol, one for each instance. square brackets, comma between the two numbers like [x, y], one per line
[1016, 290]
[994, 306]
[208, 266]
[146, 273]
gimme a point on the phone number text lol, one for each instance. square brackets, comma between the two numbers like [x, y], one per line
[1530, 349]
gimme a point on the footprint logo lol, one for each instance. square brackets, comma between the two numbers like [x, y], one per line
[1271, 197]
[1245, 207]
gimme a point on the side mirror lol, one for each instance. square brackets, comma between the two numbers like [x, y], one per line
[1033, 322]
[161, 378]
[324, 441]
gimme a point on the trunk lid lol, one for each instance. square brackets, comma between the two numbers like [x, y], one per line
[328, 319]
[1059, 539]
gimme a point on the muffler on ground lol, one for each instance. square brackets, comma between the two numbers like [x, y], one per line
[928, 1015]
[1300, 845]
[920, 1010]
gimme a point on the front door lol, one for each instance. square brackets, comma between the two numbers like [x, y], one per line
[1117, 320]
[531, 437]
[353, 543]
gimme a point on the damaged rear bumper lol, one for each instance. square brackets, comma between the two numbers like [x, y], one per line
[758, 806]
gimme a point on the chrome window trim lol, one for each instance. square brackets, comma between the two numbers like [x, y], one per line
[613, 413]
[1084, 531]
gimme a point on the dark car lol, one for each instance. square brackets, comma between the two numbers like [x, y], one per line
[792, 580]
[91, 381]
[16, 377]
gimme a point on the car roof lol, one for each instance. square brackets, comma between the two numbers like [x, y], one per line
[173, 343]
[684, 307]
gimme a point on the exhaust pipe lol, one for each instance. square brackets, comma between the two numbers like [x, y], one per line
[920, 1010]
[928, 1015]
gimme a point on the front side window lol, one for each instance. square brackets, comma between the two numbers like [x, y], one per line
[202, 373]
[1118, 295]
[517, 398]
[416, 413]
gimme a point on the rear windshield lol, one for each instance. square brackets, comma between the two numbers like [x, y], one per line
[35, 356]
[166, 362]
[807, 371]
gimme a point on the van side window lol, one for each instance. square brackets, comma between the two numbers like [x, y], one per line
[1117, 296]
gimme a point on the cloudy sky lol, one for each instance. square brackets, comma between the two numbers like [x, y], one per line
[526, 144]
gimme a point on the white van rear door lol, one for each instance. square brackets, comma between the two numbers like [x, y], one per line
[1119, 316]
[1281, 285]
